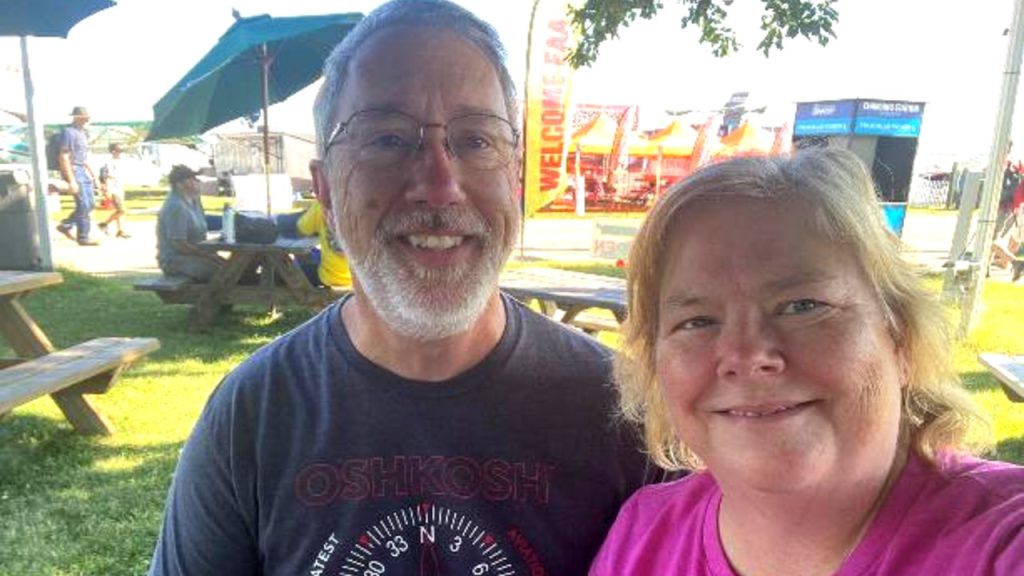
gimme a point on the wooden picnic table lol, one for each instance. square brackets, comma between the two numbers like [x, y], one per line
[570, 296]
[19, 330]
[1009, 370]
[280, 279]
[66, 375]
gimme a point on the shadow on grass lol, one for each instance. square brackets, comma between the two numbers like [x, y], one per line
[1011, 449]
[85, 307]
[78, 505]
[979, 381]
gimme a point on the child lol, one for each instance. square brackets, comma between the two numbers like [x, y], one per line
[111, 186]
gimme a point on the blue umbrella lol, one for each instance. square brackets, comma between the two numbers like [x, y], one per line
[42, 18]
[259, 61]
[46, 17]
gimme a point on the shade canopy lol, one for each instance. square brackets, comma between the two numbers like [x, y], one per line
[46, 18]
[283, 54]
[746, 140]
[675, 140]
[596, 136]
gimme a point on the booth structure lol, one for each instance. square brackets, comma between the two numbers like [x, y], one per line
[882, 133]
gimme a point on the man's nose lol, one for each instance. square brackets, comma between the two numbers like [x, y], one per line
[435, 172]
[750, 348]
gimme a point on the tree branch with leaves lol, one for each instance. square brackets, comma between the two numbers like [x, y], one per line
[601, 20]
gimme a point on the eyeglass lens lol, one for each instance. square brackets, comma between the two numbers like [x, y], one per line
[384, 138]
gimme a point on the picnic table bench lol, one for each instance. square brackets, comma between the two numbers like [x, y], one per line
[281, 280]
[66, 375]
[590, 302]
[1009, 370]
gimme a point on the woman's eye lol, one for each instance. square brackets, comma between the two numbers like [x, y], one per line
[802, 306]
[695, 323]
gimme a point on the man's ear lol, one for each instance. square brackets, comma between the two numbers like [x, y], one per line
[321, 187]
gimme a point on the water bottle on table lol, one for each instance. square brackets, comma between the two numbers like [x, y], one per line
[227, 231]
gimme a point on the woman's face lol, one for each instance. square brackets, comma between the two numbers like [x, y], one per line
[772, 352]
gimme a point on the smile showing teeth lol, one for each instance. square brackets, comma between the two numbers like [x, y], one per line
[760, 413]
[431, 242]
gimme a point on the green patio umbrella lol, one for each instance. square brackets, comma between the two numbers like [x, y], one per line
[259, 61]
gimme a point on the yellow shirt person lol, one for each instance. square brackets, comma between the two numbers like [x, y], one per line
[333, 270]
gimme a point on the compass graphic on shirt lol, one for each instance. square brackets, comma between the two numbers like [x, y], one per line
[426, 540]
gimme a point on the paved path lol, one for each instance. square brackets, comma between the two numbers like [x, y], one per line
[927, 236]
[133, 256]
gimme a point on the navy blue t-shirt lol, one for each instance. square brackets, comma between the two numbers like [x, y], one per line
[75, 142]
[310, 459]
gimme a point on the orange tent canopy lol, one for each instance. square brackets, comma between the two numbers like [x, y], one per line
[746, 139]
[676, 139]
[596, 136]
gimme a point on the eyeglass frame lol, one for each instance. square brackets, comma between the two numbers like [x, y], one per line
[339, 129]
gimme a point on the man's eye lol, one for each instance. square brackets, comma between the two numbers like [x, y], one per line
[802, 306]
[387, 141]
[472, 142]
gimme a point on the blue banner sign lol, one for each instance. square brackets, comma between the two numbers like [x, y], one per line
[824, 118]
[889, 118]
[864, 117]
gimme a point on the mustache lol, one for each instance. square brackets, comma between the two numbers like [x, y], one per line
[458, 218]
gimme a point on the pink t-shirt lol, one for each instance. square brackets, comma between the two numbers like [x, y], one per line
[967, 518]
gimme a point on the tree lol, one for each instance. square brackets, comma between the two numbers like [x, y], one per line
[600, 20]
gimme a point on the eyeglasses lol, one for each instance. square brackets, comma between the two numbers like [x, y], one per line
[388, 138]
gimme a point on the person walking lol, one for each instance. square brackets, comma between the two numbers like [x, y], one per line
[73, 161]
[110, 183]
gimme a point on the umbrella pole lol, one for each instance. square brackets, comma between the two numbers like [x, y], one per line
[39, 184]
[265, 62]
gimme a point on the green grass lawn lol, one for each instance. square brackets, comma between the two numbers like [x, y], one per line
[92, 506]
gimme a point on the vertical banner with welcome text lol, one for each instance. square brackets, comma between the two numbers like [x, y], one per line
[547, 116]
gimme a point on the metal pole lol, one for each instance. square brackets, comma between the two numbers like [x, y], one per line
[39, 183]
[265, 64]
[994, 173]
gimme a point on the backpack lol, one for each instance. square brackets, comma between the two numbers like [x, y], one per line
[255, 228]
[53, 145]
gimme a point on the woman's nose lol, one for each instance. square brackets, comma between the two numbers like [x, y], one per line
[749, 348]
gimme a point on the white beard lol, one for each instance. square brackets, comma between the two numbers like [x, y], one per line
[422, 303]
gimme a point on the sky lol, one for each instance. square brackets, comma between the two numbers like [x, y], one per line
[950, 55]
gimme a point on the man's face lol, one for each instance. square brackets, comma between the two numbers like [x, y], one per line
[426, 236]
[80, 121]
[190, 186]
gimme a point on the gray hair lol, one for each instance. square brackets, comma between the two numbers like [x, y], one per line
[440, 14]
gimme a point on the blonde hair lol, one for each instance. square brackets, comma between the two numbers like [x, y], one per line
[937, 413]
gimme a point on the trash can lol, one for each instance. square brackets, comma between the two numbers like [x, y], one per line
[17, 221]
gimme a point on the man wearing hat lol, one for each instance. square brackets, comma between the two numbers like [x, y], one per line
[180, 225]
[75, 170]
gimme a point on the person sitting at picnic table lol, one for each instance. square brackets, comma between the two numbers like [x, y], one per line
[180, 225]
[332, 267]
[778, 341]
